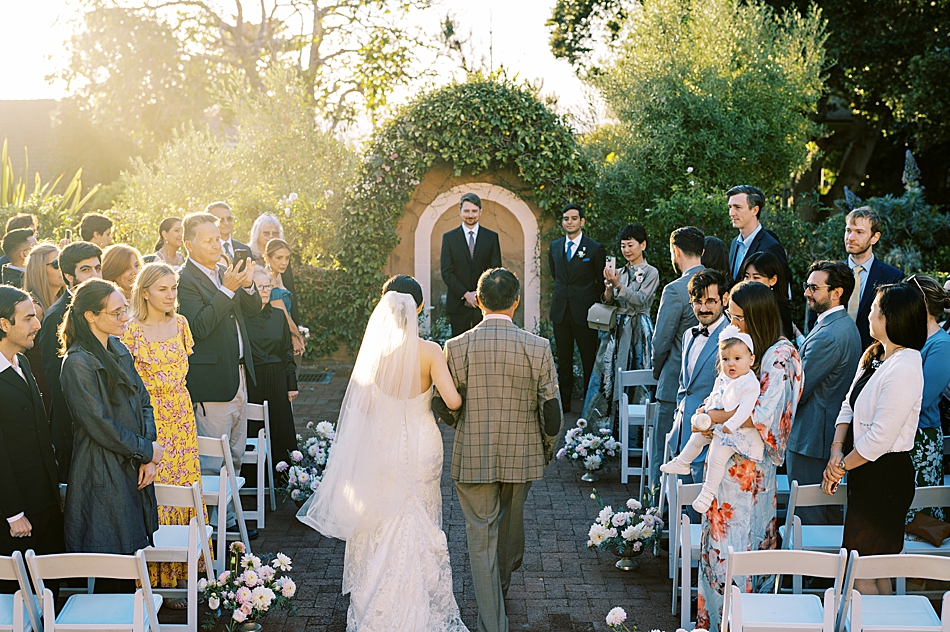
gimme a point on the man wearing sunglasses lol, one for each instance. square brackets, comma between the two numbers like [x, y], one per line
[78, 261]
[830, 355]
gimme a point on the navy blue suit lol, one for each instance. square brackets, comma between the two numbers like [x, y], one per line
[766, 241]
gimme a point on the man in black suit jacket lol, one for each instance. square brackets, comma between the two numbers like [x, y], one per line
[215, 301]
[577, 267]
[746, 204]
[29, 494]
[467, 251]
[78, 261]
[862, 231]
[16, 246]
[235, 250]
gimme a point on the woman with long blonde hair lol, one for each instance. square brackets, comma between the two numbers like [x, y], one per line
[45, 283]
[160, 342]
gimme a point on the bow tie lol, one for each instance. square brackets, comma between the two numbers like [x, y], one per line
[700, 331]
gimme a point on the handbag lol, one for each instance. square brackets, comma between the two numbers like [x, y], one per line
[601, 317]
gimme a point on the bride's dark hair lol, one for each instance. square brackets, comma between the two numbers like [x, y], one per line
[404, 284]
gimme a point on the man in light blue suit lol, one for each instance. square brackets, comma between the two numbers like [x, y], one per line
[830, 356]
[672, 319]
[698, 369]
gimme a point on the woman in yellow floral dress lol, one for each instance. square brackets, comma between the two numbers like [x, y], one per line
[160, 342]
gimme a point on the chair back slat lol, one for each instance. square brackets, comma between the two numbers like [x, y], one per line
[66, 565]
[178, 496]
[934, 567]
[811, 496]
[13, 569]
[686, 493]
[809, 563]
[934, 496]
[7, 569]
[211, 446]
[255, 412]
[639, 377]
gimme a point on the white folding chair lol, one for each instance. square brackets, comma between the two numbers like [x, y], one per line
[18, 612]
[811, 537]
[131, 613]
[259, 453]
[218, 491]
[936, 496]
[684, 547]
[634, 416]
[181, 543]
[758, 611]
[893, 612]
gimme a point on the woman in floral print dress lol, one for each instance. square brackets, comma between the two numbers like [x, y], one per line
[160, 342]
[743, 514]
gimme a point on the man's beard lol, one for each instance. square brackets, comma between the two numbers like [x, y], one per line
[821, 308]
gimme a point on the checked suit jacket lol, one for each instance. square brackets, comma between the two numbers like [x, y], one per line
[506, 375]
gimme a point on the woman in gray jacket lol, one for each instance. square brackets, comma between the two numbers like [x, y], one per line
[110, 501]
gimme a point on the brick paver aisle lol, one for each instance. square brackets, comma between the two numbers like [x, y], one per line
[561, 586]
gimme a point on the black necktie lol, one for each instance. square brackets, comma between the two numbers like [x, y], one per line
[700, 331]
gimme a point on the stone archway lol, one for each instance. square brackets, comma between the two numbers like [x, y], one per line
[446, 202]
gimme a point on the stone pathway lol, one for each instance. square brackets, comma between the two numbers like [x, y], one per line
[562, 586]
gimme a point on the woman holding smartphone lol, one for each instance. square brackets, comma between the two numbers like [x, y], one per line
[627, 346]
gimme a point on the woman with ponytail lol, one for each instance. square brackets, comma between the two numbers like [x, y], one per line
[927, 453]
[170, 240]
[110, 502]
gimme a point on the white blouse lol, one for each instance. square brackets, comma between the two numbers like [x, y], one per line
[887, 409]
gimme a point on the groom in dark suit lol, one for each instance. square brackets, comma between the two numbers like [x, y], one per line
[577, 266]
[467, 251]
[29, 494]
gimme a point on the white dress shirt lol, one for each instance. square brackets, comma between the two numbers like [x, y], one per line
[828, 313]
[885, 414]
[697, 346]
[497, 317]
[576, 241]
[213, 275]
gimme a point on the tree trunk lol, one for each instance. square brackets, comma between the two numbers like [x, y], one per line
[854, 164]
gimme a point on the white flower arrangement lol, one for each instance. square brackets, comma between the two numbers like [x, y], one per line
[631, 530]
[616, 617]
[249, 588]
[590, 451]
[302, 475]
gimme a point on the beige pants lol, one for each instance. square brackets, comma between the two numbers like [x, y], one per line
[494, 526]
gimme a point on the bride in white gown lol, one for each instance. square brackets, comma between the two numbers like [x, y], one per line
[380, 492]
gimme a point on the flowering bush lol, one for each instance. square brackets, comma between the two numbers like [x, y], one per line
[617, 616]
[587, 449]
[628, 531]
[302, 475]
[249, 588]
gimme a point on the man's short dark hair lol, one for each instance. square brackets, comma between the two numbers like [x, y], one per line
[21, 220]
[191, 222]
[10, 297]
[472, 198]
[75, 252]
[839, 275]
[15, 239]
[705, 279]
[689, 239]
[633, 231]
[573, 206]
[868, 213]
[93, 223]
[754, 196]
[498, 289]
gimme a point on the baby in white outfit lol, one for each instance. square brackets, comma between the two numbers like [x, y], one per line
[736, 390]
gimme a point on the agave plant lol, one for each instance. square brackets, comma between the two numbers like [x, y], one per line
[14, 192]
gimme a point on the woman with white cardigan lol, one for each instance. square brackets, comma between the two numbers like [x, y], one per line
[875, 429]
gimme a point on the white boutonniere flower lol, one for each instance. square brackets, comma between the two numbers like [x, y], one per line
[581, 253]
[639, 275]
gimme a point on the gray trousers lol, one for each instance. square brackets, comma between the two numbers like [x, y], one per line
[808, 470]
[658, 442]
[494, 526]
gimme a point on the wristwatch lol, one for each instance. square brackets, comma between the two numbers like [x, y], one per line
[843, 466]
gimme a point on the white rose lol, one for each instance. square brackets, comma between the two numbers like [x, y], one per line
[634, 504]
[214, 603]
[239, 616]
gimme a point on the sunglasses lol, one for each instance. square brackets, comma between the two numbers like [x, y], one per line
[54, 264]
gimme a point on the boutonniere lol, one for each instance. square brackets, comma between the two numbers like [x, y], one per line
[581, 253]
[639, 275]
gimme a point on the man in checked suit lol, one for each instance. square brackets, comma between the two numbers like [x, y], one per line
[29, 494]
[830, 356]
[505, 434]
[215, 301]
[467, 251]
[673, 318]
[577, 266]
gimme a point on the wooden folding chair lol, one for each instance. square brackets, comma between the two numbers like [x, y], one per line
[128, 613]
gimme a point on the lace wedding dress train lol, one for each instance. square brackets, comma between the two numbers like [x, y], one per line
[398, 572]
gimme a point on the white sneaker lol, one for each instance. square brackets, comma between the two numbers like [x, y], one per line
[675, 466]
[703, 501]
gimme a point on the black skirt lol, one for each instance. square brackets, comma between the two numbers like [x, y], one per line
[272, 386]
[879, 494]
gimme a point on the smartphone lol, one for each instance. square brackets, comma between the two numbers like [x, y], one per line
[68, 234]
[612, 263]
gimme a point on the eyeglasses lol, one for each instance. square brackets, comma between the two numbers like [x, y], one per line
[709, 302]
[54, 264]
[812, 287]
[733, 317]
[119, 314]
[913, 278]
[265, 288]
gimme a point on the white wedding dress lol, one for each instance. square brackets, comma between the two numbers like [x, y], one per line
[381, 490]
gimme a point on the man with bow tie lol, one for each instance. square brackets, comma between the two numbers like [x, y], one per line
[708, 296]
[673, 318]
[29, 495]
[577, 265]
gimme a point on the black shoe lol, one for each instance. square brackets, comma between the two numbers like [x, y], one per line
[252, 534]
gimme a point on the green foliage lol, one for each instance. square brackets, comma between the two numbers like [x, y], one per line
[577, 24]
[276, 149]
